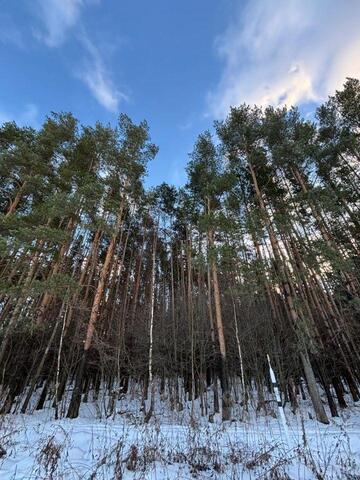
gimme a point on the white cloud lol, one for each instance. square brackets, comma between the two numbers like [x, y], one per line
[287, 52]
[59, 17]
[178, 174]
[96, 77]
[27, 117]
[9, 33]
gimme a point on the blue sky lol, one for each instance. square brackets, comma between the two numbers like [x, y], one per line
[178, 64]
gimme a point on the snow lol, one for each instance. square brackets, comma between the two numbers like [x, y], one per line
[123, 447]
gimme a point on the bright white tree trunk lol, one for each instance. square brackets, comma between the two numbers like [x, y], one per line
[278, 400]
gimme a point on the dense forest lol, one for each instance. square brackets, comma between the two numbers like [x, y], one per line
[103, 281]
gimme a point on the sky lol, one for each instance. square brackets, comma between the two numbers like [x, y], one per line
[178, 64]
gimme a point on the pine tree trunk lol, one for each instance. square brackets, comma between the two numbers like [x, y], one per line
[288, 296]
[226, 397]
[14, 204]
[73, 410]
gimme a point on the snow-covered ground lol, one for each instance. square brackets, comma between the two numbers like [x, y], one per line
[122, 447]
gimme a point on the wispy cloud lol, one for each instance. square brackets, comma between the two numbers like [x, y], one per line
[287, 52]
[58, 17]
[27, 117]
[9, 32]
[178, 174]
[97, 78]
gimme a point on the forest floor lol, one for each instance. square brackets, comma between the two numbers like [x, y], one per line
[37, 446]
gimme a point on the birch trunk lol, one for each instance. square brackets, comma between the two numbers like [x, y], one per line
[149, 413]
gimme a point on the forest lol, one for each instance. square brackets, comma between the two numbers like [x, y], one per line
[104, 281]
